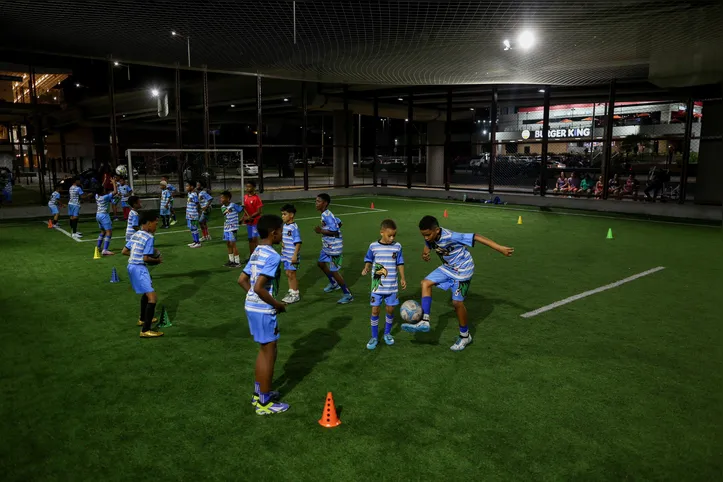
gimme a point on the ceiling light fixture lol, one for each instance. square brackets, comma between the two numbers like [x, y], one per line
[526, 40]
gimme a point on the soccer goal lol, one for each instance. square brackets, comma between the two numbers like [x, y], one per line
[218, 169]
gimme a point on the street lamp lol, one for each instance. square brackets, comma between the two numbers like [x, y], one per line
[128, 67]
[188, 43]
[155, 92]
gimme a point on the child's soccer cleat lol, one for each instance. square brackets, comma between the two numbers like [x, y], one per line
[461, 343]
[271, 408]
[388, 339]
[274, 397]
[372, 343]
[191, 244]
[230, 264]
[291, 298]
[347, 298]
[332, 287]
[107, 253]
[420, 327]
[173, 223]
[140, 322]
[195, 245]
[151, 334]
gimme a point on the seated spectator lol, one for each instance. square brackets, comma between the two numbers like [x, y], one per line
[561, 184]
[631, 187]
[655, 184]
[586, 185]
[536, 186]
[614, 186]
[599, 188]
[573, 184]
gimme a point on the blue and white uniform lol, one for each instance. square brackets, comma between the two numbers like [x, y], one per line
[166, 202]
[331, 246]
[133, 222]
[53, 203]
[289, 241]
[125, 192]
[230, 221]
[74, 194]
[385, 260]
[262, 316]
[192, 210]
[140, 244]
[101, 214]
[204, 200]
[458, 266]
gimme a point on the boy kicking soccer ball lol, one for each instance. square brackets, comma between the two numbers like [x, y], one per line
[332, 244]
[141, 253]
[260, 279]
[383, 260]
[455, 273]
[192, 214]
[290, 247]
[230, 228]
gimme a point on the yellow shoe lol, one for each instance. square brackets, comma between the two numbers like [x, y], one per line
[151, 334]
[140, 322]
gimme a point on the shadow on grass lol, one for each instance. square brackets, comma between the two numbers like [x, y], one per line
[183, 291]
[310, 350]
[474, 318]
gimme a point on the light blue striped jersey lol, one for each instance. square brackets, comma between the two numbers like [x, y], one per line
[452, 250]
[166, 198]
[133, 220]
[230, 217]
[289, 241]
[192, 206]
[264, 262]
[141, 244]
[75, 192]
[204, 199]
[331, 245]
[125, 192]
[54, 198]
[171, 187]
[103, 202]
[385, 258]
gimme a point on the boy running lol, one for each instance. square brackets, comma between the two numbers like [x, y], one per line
[74, 194]
[192, 214]
[253, 206]
[133, 218]
[455, 273]
[230, 228]
[383, 260]
[332, 245]
[53, 204]
[166, 201]
[205, 201]
[290, 247]
[125, 191]
[260, 279]
[141, 251]
[104, 201]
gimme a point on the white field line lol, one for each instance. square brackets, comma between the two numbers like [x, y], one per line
[66, 233]
[585, 294]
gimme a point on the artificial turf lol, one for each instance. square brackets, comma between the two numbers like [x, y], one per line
[624, 384]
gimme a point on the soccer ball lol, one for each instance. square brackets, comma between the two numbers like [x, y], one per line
[122, 170]
[411, 311]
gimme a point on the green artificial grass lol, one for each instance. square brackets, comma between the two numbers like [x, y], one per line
[625, 384]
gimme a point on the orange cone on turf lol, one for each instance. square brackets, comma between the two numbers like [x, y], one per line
[372, 206]
[445, 214]
[329, 418]
[50, 224]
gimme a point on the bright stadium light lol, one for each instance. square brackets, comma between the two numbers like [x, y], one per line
[233, 105]
[173, 32]
[506, 43]
[526, 40]
[155, 92]
[541, 91]
[285, 99]
[116, 63]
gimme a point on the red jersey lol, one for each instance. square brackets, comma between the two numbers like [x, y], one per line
[252, 204]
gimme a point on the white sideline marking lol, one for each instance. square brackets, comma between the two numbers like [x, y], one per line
[557, 304]
[65, 233]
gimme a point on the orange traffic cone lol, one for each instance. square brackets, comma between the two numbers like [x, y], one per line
[328, 417]
[372, 206]
[445, 214]
[50, 224]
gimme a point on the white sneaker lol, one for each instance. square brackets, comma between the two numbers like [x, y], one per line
[75, 236]
[291, 298]
[461, 343]
[191, 245]
[195, 245]
[105, 252]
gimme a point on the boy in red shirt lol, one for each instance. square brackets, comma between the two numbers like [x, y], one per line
[252, 212]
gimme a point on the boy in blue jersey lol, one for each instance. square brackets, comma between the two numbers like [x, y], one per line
[172, 189]
[455, 273]
[141, 253]
[260, 279]
[125, 192]
[230, 228]
[133, 217]
[53, 204]
[204, 202]
[192, 214]
[75, 193]
[165, 206]
[330, 258]
[290, 247]
[104, 201]
[384, 261]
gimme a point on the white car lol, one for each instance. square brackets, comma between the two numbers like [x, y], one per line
[249, 170]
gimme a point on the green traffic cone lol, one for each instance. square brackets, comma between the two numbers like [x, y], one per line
[610, 233]
[165, 320]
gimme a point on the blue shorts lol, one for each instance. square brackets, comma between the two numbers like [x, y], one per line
[192, 224]
[252, 231]
[204, 217]
[73, 210]
[335, 261]
[140, 278]
[229, 236]
[165, 212]
[53, 210]
[443, 281]
[104, 221]
[263, 327]
[289, 266]
[389, 299]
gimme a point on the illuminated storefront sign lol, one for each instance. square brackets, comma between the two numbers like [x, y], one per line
[561, 133]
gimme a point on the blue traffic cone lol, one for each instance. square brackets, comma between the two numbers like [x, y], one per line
[114, 276]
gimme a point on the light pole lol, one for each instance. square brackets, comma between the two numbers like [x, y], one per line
[128, 67]
[188, 43]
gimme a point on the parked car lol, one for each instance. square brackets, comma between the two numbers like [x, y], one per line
[249, 169]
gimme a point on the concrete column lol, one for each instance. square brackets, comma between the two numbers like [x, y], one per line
[340, 167]
[710, 156]
[435, 154]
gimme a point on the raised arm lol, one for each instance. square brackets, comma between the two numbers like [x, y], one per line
[497, 247]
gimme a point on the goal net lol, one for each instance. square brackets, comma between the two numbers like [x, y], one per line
[218, 169]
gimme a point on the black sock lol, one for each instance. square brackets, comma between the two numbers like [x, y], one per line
[150, 311]
[144, 305]
[74, 225]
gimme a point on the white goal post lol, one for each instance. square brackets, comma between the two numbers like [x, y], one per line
[236, 165]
